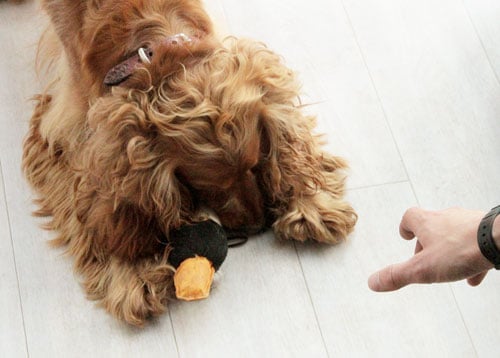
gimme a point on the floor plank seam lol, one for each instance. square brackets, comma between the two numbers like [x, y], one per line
[478, 35]
[311, 301]
[379, 99]
[463, 320]
[14, 259]
[173, 334]
[378, 185]
[469, 17]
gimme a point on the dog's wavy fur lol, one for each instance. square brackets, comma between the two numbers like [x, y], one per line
[212, 124]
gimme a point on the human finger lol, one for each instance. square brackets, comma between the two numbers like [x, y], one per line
[418, 247]
[477, 279]
[392, 277]
[410, 223]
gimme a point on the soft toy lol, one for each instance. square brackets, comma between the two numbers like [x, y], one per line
[198, 250]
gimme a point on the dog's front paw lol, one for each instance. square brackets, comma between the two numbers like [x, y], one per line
[132, 292]
[319, 217]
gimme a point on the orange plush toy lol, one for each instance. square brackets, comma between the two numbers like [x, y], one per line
[198, 250]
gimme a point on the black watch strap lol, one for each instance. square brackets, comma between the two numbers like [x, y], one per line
[485, 238]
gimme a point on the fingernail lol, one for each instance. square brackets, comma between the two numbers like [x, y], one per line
[374, 282]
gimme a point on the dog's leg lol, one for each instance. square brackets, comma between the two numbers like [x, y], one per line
[305, 186]
[44, 168]
[130, 291]
[118, 253]
[319, 214]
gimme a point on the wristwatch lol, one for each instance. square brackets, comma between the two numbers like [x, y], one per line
[485, 238]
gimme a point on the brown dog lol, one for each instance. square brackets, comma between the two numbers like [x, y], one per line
[149, 117]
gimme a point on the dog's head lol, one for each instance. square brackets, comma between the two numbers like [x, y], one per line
[211, 120]
[182, 121]
[201, 131]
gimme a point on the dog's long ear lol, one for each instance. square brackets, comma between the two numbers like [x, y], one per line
[67, 18]
[128, 190]
[288, 148]
[287, 143]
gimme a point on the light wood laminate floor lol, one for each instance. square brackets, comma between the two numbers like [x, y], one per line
[407, 90]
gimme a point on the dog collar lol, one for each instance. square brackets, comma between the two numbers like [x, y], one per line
[125, 69]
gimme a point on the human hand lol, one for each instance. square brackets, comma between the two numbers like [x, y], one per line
[446, 250]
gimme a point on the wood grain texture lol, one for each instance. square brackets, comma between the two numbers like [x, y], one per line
[12, 331]
[439, 93]
[12, 338]
[485, 17]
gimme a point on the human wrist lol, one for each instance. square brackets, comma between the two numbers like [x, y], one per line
[495, 231]
[488, 237]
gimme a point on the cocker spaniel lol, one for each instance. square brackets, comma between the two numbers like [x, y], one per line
[149, 117]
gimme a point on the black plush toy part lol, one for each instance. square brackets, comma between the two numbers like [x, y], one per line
[198, 250]
[206, 238]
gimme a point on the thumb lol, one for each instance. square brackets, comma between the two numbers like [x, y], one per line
[393, 277]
